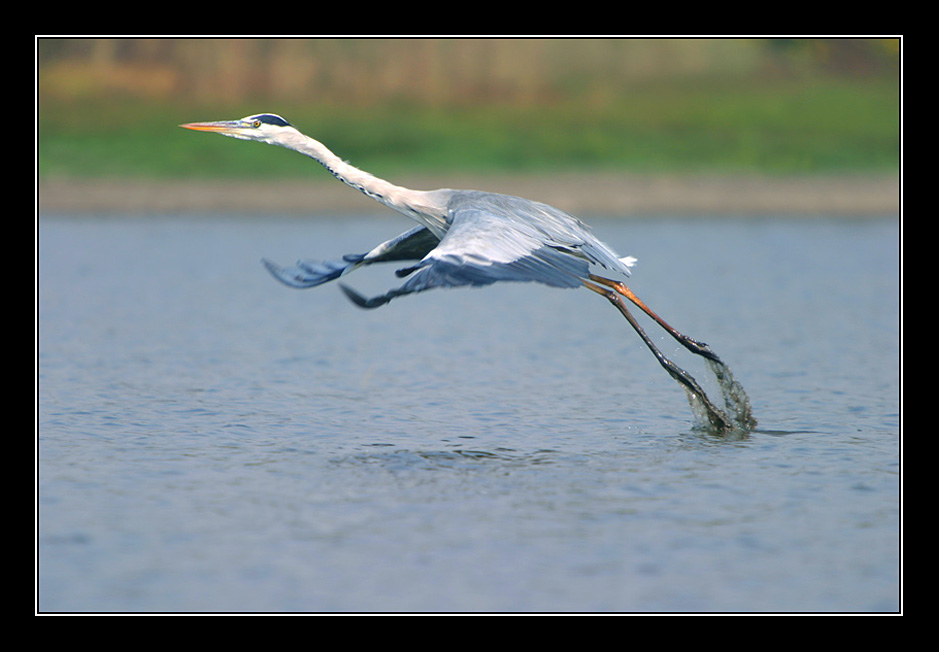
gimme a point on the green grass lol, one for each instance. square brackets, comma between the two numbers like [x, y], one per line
[804, 128]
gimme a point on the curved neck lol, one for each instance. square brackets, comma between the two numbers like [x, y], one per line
[396, 197]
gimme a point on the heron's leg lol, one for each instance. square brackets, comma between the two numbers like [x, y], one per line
[715, 416]
[692, 345]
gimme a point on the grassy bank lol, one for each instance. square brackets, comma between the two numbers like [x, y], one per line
[805, 127]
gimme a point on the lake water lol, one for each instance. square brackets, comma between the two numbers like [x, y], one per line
[210, 440]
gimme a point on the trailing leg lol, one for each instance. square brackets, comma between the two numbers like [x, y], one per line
[715, 416]
[694, 346]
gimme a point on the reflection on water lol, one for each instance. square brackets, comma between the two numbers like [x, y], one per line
[210, 440]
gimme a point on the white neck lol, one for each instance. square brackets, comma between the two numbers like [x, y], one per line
[399, 198]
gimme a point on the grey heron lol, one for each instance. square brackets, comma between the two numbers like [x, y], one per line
[475, 238]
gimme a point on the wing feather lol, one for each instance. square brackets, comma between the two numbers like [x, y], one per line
[413, 244]
[494, 238]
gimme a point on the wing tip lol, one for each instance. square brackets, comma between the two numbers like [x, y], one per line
[278, 272]
[306, 275]
[361, 301]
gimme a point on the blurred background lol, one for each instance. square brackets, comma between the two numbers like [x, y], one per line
[591, 122]
[513, 449]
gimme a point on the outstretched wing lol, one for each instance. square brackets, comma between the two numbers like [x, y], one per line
[498, 238]
[411, 245]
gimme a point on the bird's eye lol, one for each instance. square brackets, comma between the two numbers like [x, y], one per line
[256, 124]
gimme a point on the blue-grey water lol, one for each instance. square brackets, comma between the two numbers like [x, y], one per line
[210, 440]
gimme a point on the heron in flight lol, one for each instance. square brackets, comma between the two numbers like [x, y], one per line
[474, 238]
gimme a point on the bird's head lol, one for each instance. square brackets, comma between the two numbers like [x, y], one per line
[263, 127]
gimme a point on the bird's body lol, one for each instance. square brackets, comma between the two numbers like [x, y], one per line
[468, 238]
[472, 237]
[484, 238]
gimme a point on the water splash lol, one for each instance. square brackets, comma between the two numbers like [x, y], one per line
[735, 397]
[737, 416]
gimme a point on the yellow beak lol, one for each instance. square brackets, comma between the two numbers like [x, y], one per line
[224, 126]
